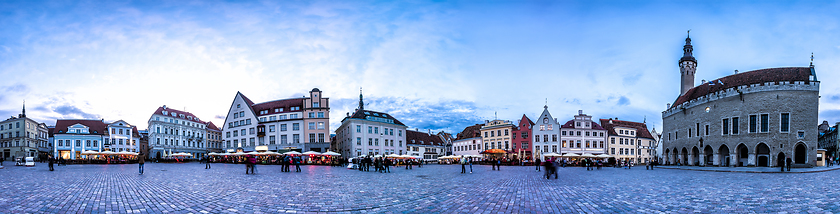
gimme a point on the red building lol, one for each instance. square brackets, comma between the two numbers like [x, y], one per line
[521, 141]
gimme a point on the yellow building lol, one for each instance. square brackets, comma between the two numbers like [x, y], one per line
[497, 134]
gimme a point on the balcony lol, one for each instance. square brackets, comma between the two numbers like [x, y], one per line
[260, 130]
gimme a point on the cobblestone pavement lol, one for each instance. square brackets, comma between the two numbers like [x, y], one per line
[189, 188]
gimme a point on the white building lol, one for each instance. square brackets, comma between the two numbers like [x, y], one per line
[173, 131]
[582, 135]
[370, 133]
[629, 141]
[546, 134]
[468, 141]
[425, 145]
[300, 124]
[72, 137]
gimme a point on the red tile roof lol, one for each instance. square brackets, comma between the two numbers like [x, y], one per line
[774, 75]
[422, 138]
[250, 103]
[571, 124]
[212, 126]
[641, 128]
[160, 110]
[96, 126]
[524, 119]
[271, 105]
[134, 132]
[470, 132]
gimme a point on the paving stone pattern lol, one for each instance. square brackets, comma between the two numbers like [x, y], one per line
[189, 188]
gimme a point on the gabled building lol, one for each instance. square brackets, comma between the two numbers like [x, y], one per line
[468, 141]
[214, 138]
[299, 124]
[521, 139]
[72, 137]
[629, 141]
[367, 132]
[546, 135]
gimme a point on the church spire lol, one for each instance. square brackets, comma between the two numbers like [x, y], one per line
[361, 103]
[688, 65]
[23, 112]
[688, 50]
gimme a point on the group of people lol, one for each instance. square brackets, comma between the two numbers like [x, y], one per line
[464, 162]
[383, 164]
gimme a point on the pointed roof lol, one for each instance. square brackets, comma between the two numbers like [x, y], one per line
[546, 114]
[250, 103]
[470, 132]
[526, 119]
[422, 138]
[212, 126]
[641, 128]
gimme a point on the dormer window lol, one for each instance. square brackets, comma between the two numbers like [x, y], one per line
[164, 112]
[174, 114]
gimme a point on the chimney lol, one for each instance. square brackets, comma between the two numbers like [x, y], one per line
[164, 106]
[736, 71]
[704, 81]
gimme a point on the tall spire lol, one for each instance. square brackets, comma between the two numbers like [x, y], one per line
[361, 103]
[688, 50]
[812, 59]
[23, 113]
[546, 103]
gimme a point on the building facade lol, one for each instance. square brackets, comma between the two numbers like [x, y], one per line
[427, 146]
[581, 135]
[24, 137]
[521, 139]
[121, 137]
[174, 131]
[828, 139]
[296, 124]
[368, 132]
[214, 138]
[468, 141]
[72, 137]
[497, 134]
[546, 135]
[754, 118]
[629, 141]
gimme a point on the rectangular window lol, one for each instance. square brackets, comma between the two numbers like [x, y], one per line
[765, 123]
[311, 114]
[536, 138]
[284, 139]
[370, 141]
[271, 139]
[282, 127]
[311, 125]
[320, 125]
[725, 125]
[320, 114]
[612, 151]
[295, 126]
[271, 128]
[753, 123]
[707, 130]
[689, 132]
[312, 137]
[735, 129]
[359, 141]
[698, 129]
[785, 125]
[545, 138]
[359, 128]
[296, 138]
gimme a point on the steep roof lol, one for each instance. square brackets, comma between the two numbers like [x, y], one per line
[526, 119]
[422, 138]
[470, 132]
[773, 75]
[187, 115]
[134, 132]
[51, 130]
[641, 128]
[212, 126]
[271, 105]
[96, 126]
[250, 103]
[364, 114]
[571, 124]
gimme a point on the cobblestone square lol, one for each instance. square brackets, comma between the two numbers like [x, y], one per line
[189, 188]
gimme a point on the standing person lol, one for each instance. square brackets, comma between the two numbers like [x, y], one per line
[298, 159]
[51, 160]
[788, 164]
[141, 160]
[206, 162]
[469, 161]
[781, 163]
[388, 165]
[499, 164]
[537, 163]
[463, 165]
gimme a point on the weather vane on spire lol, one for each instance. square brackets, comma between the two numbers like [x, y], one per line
[812, 58]
[689, 33]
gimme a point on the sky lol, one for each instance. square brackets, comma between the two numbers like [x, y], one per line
[434, 65]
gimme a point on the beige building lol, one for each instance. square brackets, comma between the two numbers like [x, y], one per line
[497, 134]
[629, 141]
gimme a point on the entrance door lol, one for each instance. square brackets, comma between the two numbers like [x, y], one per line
[780, 161]
[801, 155]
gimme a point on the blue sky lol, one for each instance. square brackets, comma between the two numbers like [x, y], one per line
[434, 65]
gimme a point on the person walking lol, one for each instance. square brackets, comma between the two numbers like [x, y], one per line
[463, 165]
[206, 162]
[388, 165]
[50, 161]
[298, 159]
[141, 161]
[537, 163]
[788, 164]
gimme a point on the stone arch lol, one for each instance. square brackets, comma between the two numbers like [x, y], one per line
[742, 155]
[668, 156]
[800, 153]
[723, 154]
[780, 159]
[684, 156]
[709, 154]
[762, 155]
[695, 156]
